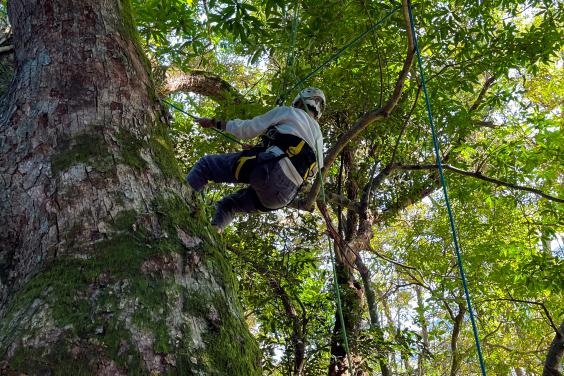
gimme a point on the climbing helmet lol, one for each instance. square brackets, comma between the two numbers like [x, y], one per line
[314, 98]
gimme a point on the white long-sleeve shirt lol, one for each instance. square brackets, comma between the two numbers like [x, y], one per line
[288, 120]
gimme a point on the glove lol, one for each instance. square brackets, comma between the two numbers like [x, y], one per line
[206, 122]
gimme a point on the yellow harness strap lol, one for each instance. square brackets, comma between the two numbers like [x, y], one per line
[241, 161]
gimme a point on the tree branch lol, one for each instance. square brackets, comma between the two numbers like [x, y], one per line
[370, 117]
[196, 81]
[512, 350]
[480, 98]
[477, 175]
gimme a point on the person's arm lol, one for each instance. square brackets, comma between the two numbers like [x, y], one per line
[247, 129]
[211, 123]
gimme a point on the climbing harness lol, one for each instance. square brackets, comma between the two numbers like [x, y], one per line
[282, 146]
[193, 117]
[438, 158]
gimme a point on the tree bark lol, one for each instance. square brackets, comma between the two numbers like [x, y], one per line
[103, 270]
[6, 55]
[352, 292]
[553, 360]
[196, 81]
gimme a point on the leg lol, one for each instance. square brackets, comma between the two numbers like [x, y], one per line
[242, 201]
[216, 168]
[273, 188]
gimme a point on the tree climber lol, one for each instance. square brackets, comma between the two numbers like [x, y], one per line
[275, 169]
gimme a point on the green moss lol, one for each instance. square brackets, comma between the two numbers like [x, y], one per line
[161, 344]
[196, 303]
[124, 220]
[130, 147]
[59, 361]
[114, 267]
[86, 148]
[162, 149]
[129, 32]
[230, 349]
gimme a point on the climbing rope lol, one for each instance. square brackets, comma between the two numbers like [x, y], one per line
[337, 293]
[194, 117]
[291, 53]
[342, 50]
[3, 12]
[341, 243]
[438, 158]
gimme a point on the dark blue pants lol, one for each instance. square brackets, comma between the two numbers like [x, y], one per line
[268, 185]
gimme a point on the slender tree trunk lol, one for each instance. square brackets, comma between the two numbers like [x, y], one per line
[424, 330]
[373, 312]
[553, 360]
[102, 268]
[298, 340]
[456, 327]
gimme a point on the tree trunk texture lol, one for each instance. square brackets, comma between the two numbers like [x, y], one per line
[6, 55]
[103, 269]
[373, 312]
[553, 360]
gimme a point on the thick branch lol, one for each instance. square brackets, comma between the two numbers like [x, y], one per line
[196, 81]
[480, 98]
[370, 117]
[477, 175]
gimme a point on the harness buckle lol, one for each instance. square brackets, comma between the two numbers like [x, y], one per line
[271, 133]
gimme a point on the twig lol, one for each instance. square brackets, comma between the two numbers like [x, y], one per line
[558, 334]
[477, 175]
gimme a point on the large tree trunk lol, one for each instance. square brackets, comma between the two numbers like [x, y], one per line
[103, 270]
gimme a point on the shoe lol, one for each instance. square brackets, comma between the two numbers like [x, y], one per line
[218, 229]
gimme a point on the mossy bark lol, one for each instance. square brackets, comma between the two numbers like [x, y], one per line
[103, 268]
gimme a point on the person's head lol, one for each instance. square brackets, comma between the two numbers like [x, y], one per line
[314, 100]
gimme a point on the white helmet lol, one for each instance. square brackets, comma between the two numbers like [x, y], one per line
[314, 94]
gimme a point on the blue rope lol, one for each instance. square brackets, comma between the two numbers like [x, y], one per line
[3, 12]
[193, 117]
[437, 156]
[342, 50]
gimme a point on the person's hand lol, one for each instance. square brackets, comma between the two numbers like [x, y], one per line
[247, 147]
[206, 122]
